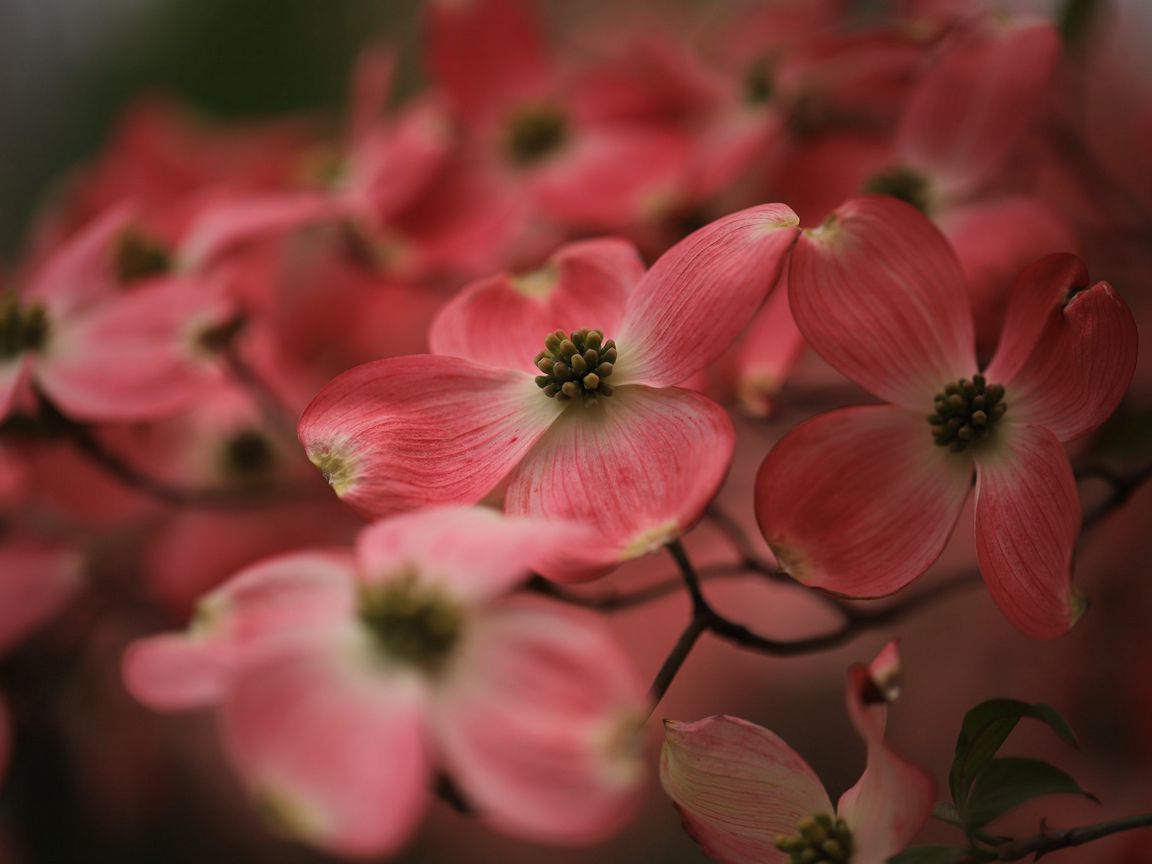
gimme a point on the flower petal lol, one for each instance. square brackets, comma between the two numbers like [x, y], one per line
[475, 553]
[879, 294]
[702, 293]
[1027, 522]
[409, 432]
[770, 350]
[138, 356]
[540, 723]
[1083, 355]
[860, 501]
[737, 787]
[893, 798]
[487, 54]
[36, 581]
[970, 109]
[503, 320]
[82, 270]
[337, 758]
[640, 466]
[172, 672]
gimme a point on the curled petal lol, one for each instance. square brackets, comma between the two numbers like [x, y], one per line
[702, 293]
[893, 798]
[860, 501]
[1027, 522]
[1083, 357]
[540, 723]
[36, 581]
[335, 757]
[640, 466]
[737, 787]
[878, 292]
[409, 432]
[473, 552]
[486, 54]
[139, 356]
[970, 109]
[503, 320]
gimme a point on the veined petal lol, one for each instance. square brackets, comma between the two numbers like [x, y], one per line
[138, 356]
[969, 111]
[487, 54]
[473, 552]
[502, 321]
[860, 501]
[1084, 352]
[702, 293]
[540, 723]
[1027, 522]
[640, 466]
[737, 787]
[409, 432]
[36, 581]
[336, 757]
[893, 798]
[879, 294]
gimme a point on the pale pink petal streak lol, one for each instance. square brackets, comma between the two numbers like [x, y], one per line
[738, 787]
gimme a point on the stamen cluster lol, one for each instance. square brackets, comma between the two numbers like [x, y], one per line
[575, 366]
[534, 134]
[22, 328]
[821, 839]
[966, 412]
[412, 622]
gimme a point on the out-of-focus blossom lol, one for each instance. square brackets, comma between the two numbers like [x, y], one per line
[591, 427]
[746, 797]
[343, 680]
[862, 500]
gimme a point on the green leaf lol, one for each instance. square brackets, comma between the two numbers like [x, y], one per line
[985, 729]
[947, 812]
[936, 855]
[1009, 782]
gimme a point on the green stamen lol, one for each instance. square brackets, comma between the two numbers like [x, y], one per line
[411, 622]
[902, 183]
[534, 134]
[576, 366]
[248, 456]
[820, 839]
[139, 256]
[966, 412]
[22, 328]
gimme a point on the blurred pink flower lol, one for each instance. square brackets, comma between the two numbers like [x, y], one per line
[344, 680]
[746, 797]
[862, 500]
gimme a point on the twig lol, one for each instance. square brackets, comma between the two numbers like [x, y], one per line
[1046, 841]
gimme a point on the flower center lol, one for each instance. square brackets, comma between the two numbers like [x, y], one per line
[412, 622]
[966, 412]
[248, 455]
[22, 328]
[576, 366]
[139, 256]
[820, 838]
[902, 183]
[535, 133]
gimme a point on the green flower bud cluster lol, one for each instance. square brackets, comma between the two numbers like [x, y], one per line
[966, 412]
[576, 366]
[22, 328]
[821, 839]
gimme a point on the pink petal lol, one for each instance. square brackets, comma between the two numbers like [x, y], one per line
[13, 378]
[136, 357]
[970, 110]
[372, 80]
[336, 755]
[82, 270]
[737, 787]
[893, 798]
[36, 581]
[878, 292]
[702, 293]
[540, 723]
[487, 54]
[860, 501]
[475, 553]
[769, 351]
[173, 672]
[503, 320]
[1081, 361]
[640, 466]
[409, 432]
[1027, 522]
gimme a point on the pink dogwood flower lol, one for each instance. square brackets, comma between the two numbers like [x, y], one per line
[862, 500]
[746, 797]
[343, 680]
[591, 427]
